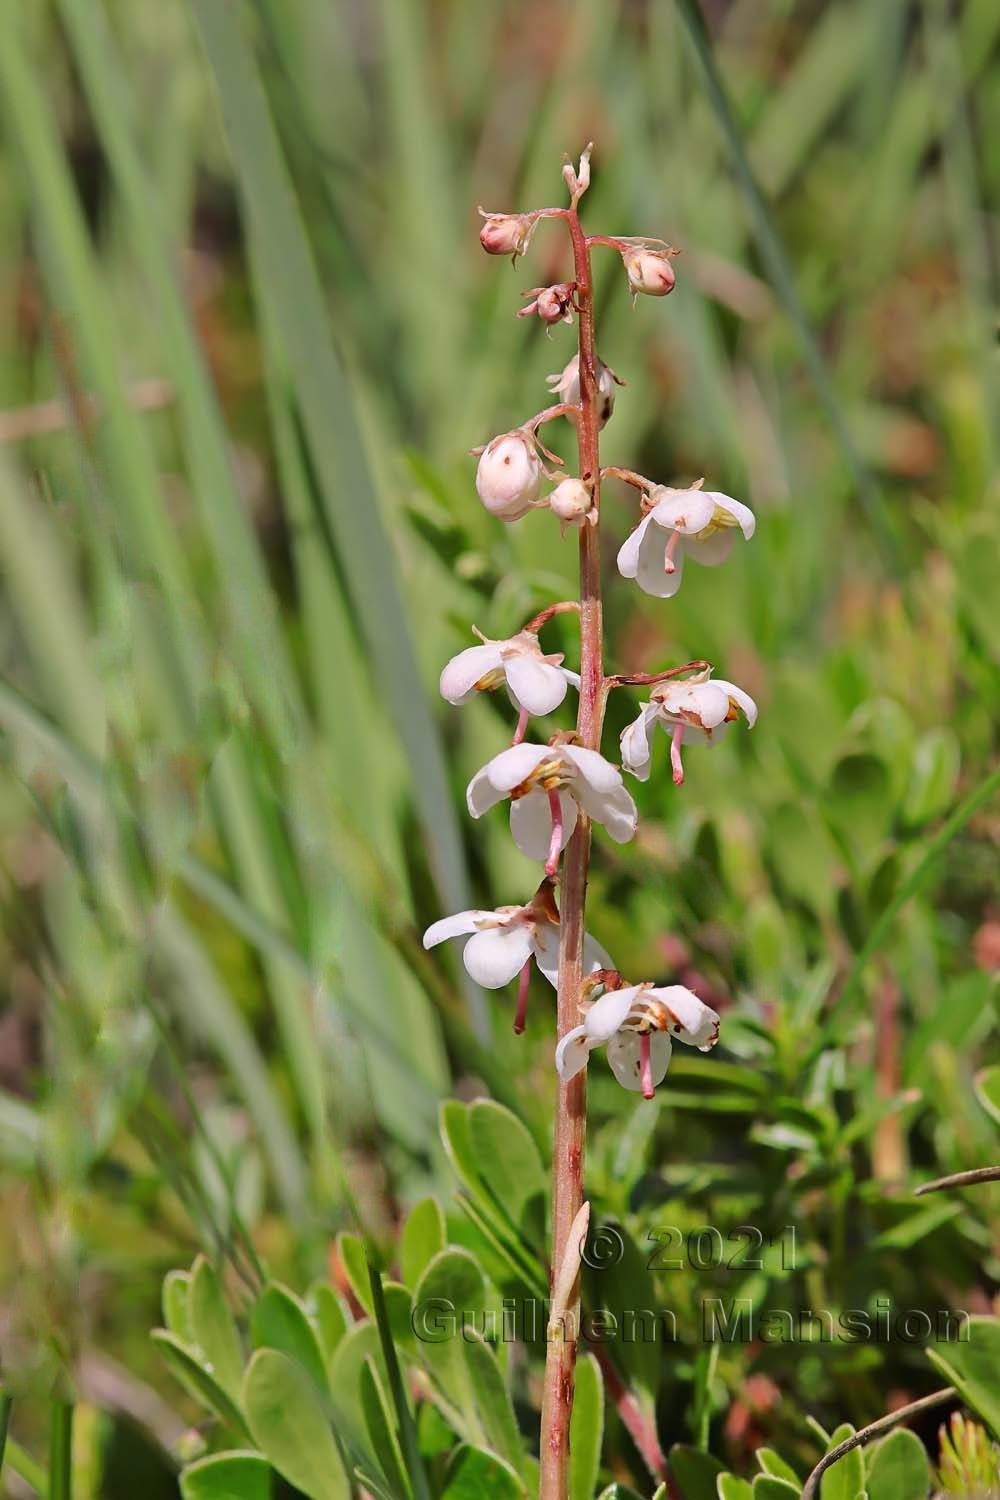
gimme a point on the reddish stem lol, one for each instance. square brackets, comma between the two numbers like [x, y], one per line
[641, 1428]
[570, 1125]
[555, 842]
[564, 607]
[522, 998]
[522, 726]
[648, 679]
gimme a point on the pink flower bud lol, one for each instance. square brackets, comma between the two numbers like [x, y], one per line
[553, 304]
[567, 384]
[506, 234]
[571, 501]
[509, 476]
[649, 271]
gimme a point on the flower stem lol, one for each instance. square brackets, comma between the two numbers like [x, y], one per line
[571, 1108]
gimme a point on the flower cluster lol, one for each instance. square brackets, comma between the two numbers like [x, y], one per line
[557, 784]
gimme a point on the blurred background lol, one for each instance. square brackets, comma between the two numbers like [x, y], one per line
[248, 338]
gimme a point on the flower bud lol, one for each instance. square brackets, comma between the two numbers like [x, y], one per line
[571, 501]
[567, 386]
[649, 271]
[553, 304]
[509, 476]
[506, 234]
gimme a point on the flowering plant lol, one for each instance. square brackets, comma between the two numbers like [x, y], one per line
[559, 789]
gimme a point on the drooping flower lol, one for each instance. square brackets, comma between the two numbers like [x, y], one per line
[572, 502]
[546, 784]
[509, 475]
[506, 234]
[537, 682]
[702, 708]
[636, 1024]
[553, 304]
[566, 385]
[504, 942]
[649, 270]
[696, 521]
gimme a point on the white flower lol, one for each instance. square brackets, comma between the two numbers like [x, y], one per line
[567, 386]
[649, 271]
[637, 1024]
[503, 943]
[701, 522]
[699, 709]
[536, 683]
[546, 783]
[509, 475]
[572, 502]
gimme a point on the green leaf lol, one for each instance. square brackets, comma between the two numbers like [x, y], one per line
[475, 1475]
[290, 1425]
[329, 1315]
[972, 1368]
[619, 1492]
[198, 1381]
[280, 1321]
[846, 1479]
[453, 1276]
[507, 1159]
[933, 776]
[766, 1487]
[409, 1456]
[695, 1472]
[382, 1429]
[493, 1404]
[175, 1305]
[424, 1234]
[773, 1463]
[987, 1085]
[355, 1263]
[730, 1487]
[897, 1468]
[227, 1476]
[214, 1328]
[626, 1291]
[586, 1429]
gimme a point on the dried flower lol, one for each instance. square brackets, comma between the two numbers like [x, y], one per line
[509, 475]
[553, 304]
[636, 1024]
[701, 522]
[545, 783]
[535, 681]
[506, 234]
[698, 709]
[572, 502]
[567, 386]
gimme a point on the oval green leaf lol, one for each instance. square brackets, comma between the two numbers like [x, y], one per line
[290, 1425]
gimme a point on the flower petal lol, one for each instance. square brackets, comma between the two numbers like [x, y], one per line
[614, 809]
[531, 823]
[625, 1058]
[650, 575]
[546, 944]
[572, 1053]
[494, 957]
[500, 775]
[455, 926]
[595, 770]
[741, 514]
[740, 698]
[711, 551]
[686, 511]
[535, 684]
[637, 742]
[697, 1023]
[459, 677]
[606, 1015]
[594, 956]
[628, 553]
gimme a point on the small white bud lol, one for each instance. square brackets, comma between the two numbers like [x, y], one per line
[506, 234]
[567, 386]
[571, 501]
[509, 476]
[649, 271]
